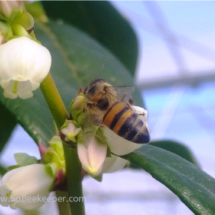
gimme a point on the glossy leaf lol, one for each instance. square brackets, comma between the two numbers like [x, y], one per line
[76, 61]
[101, 21]
[7, 124]
[176, 148]
[193, 186]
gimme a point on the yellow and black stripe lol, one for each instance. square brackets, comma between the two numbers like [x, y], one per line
[123, 121]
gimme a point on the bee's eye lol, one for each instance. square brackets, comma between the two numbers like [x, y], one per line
[92, 90]
[102, 104]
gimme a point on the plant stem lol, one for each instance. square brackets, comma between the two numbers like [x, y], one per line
[74, 183]
[63, 206]
[54, 101]
[73, 165]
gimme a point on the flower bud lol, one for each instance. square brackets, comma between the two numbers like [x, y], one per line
[77, 107]
[24, 187]
[7, 7]
[23, 66]
[78, 103]
[70, 130]
[5, 32]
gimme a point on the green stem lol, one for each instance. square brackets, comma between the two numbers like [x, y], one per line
[54, 101]
[63, 206]
[74, 183]
[73, 165]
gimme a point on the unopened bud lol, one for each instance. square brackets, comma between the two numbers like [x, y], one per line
[7, 7]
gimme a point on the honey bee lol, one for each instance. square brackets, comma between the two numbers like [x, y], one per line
[107, 108]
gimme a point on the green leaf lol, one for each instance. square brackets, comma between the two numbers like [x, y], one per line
[193, 186]
[76, 58]
[24, 159]
[3, 170]
[102, 22]
[176, 148]
[7, 124]
[30, 113]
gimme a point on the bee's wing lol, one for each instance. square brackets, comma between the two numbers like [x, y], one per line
[124, 93]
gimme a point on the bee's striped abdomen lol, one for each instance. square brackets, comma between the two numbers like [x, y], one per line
[123, 121]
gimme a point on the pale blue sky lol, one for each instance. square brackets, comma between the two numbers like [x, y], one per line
[192, 23]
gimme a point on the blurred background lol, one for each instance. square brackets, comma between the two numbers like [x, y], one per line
[176, 73]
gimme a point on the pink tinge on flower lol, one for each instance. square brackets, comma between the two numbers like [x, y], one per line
[60, 180]
[43, 149]
[21, 5]
[7, 7]
[71, 131]
[92, 154]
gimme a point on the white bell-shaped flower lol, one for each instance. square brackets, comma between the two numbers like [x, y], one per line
[24, 64]
[26, 187]
[92, 154]
[113, 164]
[121, 146]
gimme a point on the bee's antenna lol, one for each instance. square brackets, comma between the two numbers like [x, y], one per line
[98, 76]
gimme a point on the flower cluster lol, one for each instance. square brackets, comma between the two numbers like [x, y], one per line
[24, 62]
[14, 20]
[32, 179]
[98, 147]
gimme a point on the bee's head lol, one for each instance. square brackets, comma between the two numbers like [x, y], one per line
[100, 94]
[95, 88]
